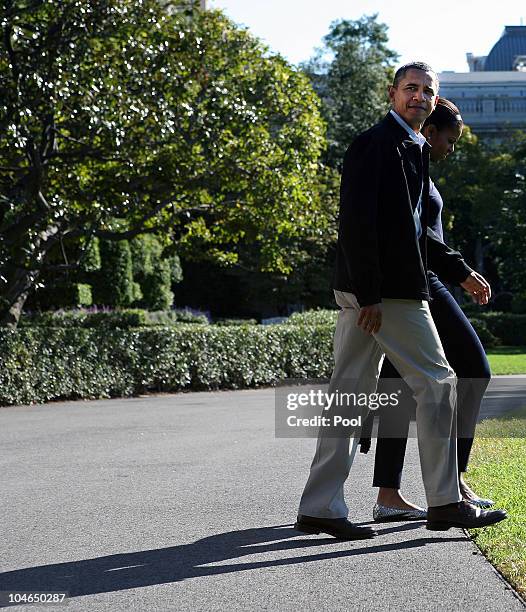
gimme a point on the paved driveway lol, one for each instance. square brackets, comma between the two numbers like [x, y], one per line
[185, 502]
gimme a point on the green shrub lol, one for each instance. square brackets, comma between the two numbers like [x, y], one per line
[154, 272]
[188, 316]
[117, 319]
[230, 322]
[313, 317]
[81, 358]
[492, 327]
[156, 292]
[41, 364]
[518, 304]
[113, 283]
[91, 261]
[171, 317]
[486, 337]
[501, 302]
[81, 295]
[508, 327]
[122, 319]
[54, 318]
[470, 309]
[67, 295]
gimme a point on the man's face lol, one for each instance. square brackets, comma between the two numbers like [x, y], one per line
[415, 97]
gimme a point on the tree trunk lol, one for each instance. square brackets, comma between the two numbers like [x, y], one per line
[14, 296]
[20, 277]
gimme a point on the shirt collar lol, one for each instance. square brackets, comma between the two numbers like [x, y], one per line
[416, 138]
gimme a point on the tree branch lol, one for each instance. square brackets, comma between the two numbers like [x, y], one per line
[129, 234]
[13, 231]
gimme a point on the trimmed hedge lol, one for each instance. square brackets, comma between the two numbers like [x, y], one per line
[122, 319]
[313, 317]
[508, 327]
[229, 322]
[45, 363]
[486, 337]
[493, 328]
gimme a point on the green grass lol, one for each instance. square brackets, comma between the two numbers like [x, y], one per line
[507, 360]
[498, 470]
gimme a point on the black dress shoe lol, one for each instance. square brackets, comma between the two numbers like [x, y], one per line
[461, 514]
[340, 528]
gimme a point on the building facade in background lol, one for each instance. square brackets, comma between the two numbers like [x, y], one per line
[492, 96]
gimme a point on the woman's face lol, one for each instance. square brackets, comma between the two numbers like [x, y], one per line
[442, 141]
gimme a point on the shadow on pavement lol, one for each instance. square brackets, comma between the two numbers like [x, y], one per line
[173, 564]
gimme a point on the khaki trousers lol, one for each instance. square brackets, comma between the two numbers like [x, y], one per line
[410, 340]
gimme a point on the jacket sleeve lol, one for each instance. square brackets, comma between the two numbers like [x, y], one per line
[447, 263]
[358, 233]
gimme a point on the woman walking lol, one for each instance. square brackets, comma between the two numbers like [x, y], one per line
[462, 347]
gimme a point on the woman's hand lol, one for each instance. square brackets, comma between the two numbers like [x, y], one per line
[478, 287]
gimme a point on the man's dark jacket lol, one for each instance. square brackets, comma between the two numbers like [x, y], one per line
[378, 252]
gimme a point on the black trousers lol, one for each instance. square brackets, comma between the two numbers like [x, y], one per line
[467, 357]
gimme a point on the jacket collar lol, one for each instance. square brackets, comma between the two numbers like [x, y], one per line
[399, 133]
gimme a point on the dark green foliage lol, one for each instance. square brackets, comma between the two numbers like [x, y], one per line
[313, 317]
[91, 261]
[230, 322]
[493, 328]
[156, 292]
[154, 273]
[169, 317]
[67, 295]
[502, 302]
[508, 327]
[114, 281]
[487, 338]
[120, 118]
[484, 192]
[80, 295]
[42, 364]
[112, 358]
[122, 319]
[518, 303]
[351, 73]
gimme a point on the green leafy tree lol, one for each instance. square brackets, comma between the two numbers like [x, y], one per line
[121, 118]
[511, 236]
[476, 183]
[350, 73]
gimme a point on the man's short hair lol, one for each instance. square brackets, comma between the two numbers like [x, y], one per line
[402, 71]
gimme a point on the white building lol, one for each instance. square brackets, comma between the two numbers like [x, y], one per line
[492, 97]
[491, 103]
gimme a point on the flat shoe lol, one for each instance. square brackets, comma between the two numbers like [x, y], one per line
[384, 514]
[481, 503]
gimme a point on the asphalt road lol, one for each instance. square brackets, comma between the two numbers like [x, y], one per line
[185, 502]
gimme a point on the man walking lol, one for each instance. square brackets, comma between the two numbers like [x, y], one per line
[381, 287]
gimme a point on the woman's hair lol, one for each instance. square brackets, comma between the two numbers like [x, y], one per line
[445, 115]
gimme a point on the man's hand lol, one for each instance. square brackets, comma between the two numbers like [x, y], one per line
[478, 287]
[370, 318]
